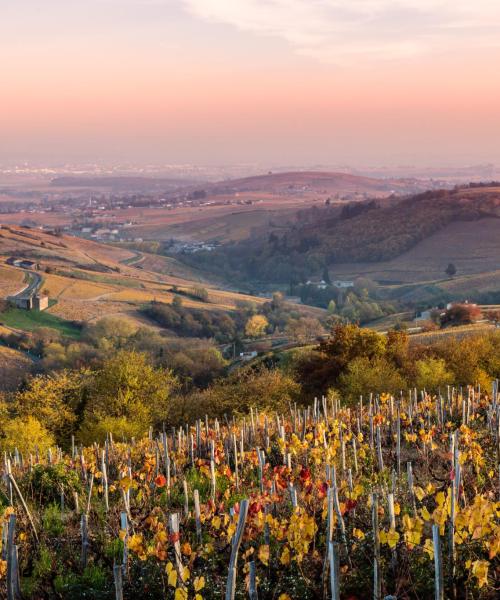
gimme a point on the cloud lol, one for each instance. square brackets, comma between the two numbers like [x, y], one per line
[351, 30]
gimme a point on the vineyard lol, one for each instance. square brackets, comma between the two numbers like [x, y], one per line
[389, 498]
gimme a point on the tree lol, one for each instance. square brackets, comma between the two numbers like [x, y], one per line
[304, 329]
[177, 302]
[127, 387]
[432, 374]
[450, 270]
[235, 395]
[461, 314]
[256, 326]
[53, 400]
[110, 332]
[376, 375]
[27, 435]
[322, 368]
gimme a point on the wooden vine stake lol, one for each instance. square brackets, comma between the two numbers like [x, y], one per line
[12, 564]
[377, 582]
[118, 577]
[334, 571]
[84, 527]
[438, 564]
[252, 581]
[21, 498]
[231, 577]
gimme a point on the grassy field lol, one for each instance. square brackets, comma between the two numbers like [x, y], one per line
[29, 320]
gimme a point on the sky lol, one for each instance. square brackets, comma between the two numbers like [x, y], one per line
[277, 82]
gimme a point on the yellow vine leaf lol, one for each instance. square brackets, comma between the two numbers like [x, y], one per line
[429, 548]
[285, 556]
[199, 583]
[264, 554]
[480, 571]
[181, 594]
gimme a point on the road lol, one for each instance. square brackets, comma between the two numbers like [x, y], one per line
[33, 286]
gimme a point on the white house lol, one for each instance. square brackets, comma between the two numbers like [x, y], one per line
[341, 284]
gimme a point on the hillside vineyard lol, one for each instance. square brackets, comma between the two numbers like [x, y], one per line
[394, 496]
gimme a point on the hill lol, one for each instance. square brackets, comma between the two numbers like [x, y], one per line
[86, 280]
[319, 181]
[367, 233]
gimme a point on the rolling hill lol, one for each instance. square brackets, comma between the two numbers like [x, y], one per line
[86, 280]
[406, 240]
[319, 181]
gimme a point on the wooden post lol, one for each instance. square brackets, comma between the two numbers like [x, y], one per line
[186, 497]
[91, 484]
[118, 576]
[105, 480]
[334, 571]
[235, 452]
[398, 443]
[12, 574]
[231, 577]
[328, 538]
[252, 582]
[124, 527]
[197, 516]
[174, 532]
[438, 564]
[85, 539]
[212, 478]
[377, 582]
[21, 498]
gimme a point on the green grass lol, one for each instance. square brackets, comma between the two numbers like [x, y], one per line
[29, 320]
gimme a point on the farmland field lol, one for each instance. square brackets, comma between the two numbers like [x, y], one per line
[384, 497]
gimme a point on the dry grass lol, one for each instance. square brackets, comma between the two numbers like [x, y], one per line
[84, 310]
[11, 280]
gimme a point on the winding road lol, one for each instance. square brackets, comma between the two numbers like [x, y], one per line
[32, 287]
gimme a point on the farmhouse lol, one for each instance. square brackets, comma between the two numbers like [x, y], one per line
[39, 302]
[341, 284]
[321, 285]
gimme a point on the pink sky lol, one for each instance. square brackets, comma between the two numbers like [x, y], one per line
[228, 81]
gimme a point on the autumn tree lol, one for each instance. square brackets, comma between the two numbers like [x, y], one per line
[461, 314]
[235, 395]
[304, 329]
[364, 376]
[432, 374]
[256, 326]
[322, 368]
[25, 434]
[127, 394]
[53, 400]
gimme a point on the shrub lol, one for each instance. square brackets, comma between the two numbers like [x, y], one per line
[377, 375]
[122, 429]
[26, 434]
[432, 374]
[48, 481]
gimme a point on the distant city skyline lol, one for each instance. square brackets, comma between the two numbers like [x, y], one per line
[303, 82]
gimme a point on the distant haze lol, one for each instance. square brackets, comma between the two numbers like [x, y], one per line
[227, 81]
